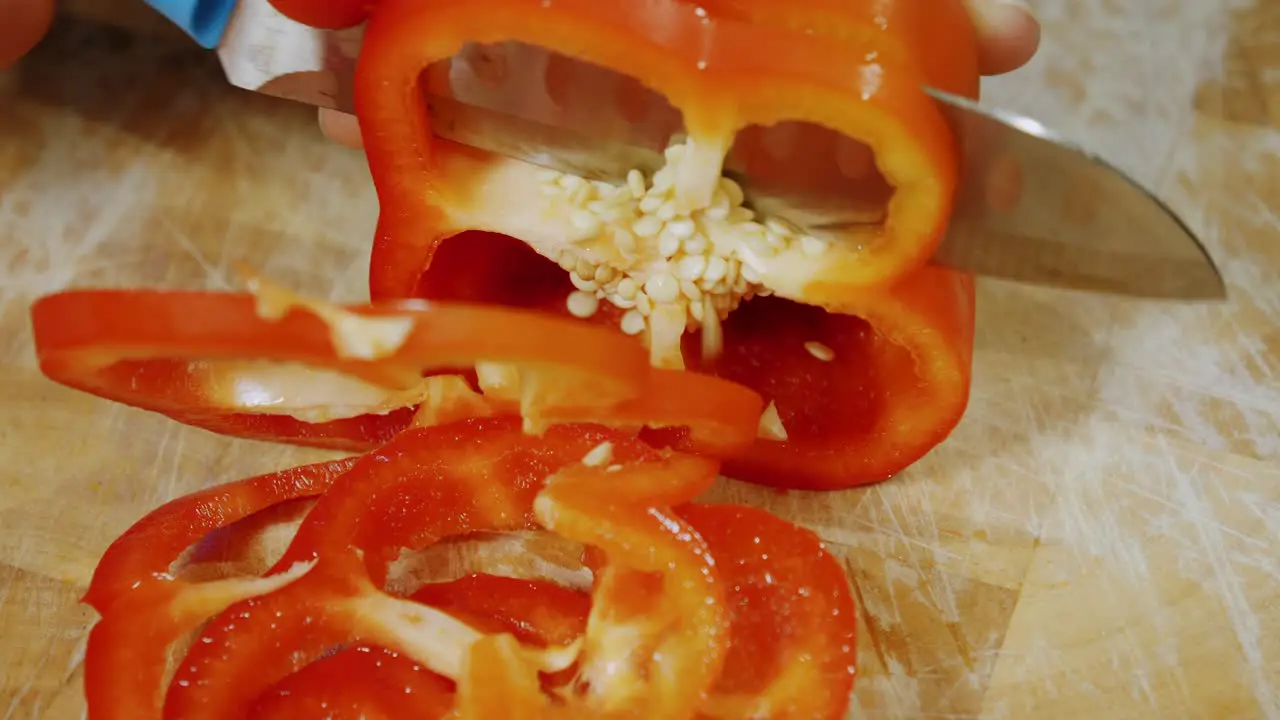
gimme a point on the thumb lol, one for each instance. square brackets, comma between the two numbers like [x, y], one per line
[22, 24]
[1008, 34]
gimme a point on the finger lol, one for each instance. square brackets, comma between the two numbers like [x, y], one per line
[340, 128]
[1008, 34]
[22, 24]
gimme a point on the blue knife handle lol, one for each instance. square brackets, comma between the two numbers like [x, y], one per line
[204, 20]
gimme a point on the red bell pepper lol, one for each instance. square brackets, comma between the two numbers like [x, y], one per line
[863, 387]
[721, 76]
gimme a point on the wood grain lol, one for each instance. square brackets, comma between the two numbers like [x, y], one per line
[1097, 540]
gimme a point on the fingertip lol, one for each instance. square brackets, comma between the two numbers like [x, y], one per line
[1008, 34]
[341, 128]
[22, 24]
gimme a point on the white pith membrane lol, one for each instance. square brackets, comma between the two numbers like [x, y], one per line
[676, 251]
[318, 395]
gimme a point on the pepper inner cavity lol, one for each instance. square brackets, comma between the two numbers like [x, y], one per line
[670, 262]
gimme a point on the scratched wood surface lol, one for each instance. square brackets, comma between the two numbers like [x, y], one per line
[1097, 540]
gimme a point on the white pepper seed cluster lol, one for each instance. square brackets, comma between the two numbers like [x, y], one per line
[669, 270]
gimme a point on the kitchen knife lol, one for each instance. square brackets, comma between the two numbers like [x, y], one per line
[1031, 206]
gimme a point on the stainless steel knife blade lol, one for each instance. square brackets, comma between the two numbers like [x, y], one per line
[1035, 208]
[1032, 207]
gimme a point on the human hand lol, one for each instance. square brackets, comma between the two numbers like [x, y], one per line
[1008, 36]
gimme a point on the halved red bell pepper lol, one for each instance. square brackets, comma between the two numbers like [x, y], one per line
[274, 366]
[902, 336]
[721, 76]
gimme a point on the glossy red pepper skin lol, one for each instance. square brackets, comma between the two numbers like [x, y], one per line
[802, 667]
[140, 348]
[696, 582]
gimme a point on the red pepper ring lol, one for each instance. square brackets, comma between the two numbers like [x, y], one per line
[128, 649]
[278, 368]
[657, 632]
[373, 683]
[432, 483]
[251, 646]
[147, 550]
[800, 667]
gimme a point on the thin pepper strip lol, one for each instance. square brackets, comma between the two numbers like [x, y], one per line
[365, 682]
[798, 668]
[128, 650]
[275, 366]
[145, 553]
[358, 683]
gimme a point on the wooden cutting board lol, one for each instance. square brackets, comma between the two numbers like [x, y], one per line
[1097, 540]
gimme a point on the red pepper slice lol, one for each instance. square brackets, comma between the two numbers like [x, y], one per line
[275, 367]
[657, 634]
[371, 682]
[146, 551]
[251, 646]
[431, 483]
[128, 649]
[792, 621]
[126, 659]
[480, 486]
[358, 683]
